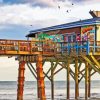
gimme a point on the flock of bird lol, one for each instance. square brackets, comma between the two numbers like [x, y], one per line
[59, 7]
[66, 10]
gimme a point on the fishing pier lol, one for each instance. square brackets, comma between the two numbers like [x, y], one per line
[71, 43]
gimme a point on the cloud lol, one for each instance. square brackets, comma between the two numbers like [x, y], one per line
[50, 3]
[18, 19]
[24, 14]
[84, 1]
[40, 3]
[35, 17]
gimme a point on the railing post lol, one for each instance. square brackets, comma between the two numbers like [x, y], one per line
[61, 48]
[31, 47]
[88, 48]
[18, 46]
[77, 48]
[68, 48]
[55, 48]
[94, 47]
[6, 46]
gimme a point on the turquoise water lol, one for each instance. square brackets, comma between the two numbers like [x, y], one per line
[8, 90]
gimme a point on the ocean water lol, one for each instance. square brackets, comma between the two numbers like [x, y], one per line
[8, 90]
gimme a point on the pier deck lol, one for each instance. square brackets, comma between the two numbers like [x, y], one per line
[24, 47]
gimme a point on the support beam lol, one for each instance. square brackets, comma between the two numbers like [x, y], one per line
[46, 76]
[33, 67]
[93, 73]
[83, 76]
[32, 71]
[68, 79]
[71, 71]
[54, 67]
[91, 63]
[47, 72]
[95, 61]
[76, 79]
[52, 81]
[21, 80]
[58, 71]
[40, 78]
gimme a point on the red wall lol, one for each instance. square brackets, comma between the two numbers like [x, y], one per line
[71, 30]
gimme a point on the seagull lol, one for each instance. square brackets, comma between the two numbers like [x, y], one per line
[59, 7]
[67, 11]
[9, 56]
[72, 4]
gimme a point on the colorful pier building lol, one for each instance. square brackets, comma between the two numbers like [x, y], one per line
[71, 43]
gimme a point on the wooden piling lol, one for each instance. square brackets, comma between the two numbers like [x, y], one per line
[40, 78]
[76, 80]
[68, 79]
[86, 80]
[21, 72]
[52, 82]
[89, 82]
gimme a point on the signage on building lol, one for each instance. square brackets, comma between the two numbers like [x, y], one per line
[87, 33]
[86, 29]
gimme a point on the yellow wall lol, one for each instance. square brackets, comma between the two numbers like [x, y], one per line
[98, 35]
[98, 32]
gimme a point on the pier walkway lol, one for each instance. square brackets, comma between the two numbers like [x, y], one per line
[24, 47]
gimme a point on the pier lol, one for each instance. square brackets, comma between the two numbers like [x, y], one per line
[73, 43]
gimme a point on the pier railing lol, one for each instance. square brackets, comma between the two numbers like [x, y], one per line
[23, 47]
[78, 47]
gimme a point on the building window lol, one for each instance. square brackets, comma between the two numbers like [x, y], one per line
[69, 38]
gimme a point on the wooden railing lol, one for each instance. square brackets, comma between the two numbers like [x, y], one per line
[48, 47]
[23, 47]
[78, 47]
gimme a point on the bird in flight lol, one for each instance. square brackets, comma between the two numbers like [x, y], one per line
[59, 7]
[72, 4]
[67, 11]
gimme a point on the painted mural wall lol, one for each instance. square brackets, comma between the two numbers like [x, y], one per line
[88, 33]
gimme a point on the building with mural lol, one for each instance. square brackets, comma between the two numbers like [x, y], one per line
[82, 30]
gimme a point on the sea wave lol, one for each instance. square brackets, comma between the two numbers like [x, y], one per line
[8, 91]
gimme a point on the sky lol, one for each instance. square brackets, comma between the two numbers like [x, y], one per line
[18, 17]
